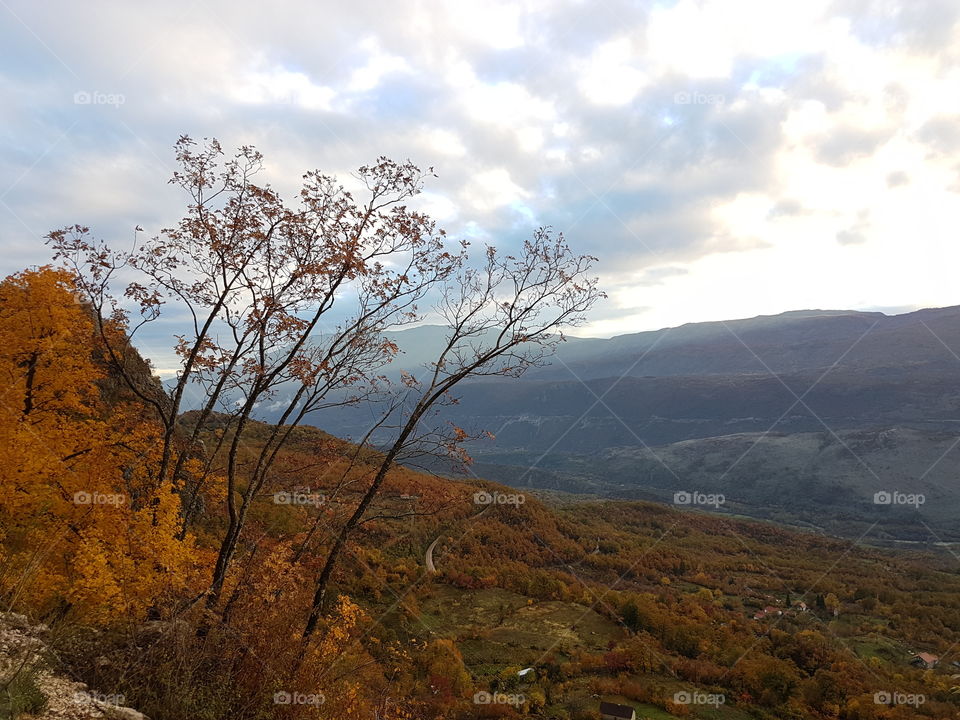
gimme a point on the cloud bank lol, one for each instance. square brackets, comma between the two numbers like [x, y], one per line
[722, 158]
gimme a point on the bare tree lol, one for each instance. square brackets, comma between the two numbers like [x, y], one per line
[256, 280]
[501, 319]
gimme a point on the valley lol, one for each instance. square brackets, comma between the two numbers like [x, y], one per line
[800, 418]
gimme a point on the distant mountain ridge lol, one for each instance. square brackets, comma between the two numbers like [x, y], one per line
[788, 342]
[579, 420]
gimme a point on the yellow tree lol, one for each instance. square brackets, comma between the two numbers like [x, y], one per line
[84, 526]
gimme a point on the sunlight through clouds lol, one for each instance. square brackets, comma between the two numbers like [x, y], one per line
[610, 76]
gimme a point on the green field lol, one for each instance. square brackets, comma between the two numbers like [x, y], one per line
[497, 628]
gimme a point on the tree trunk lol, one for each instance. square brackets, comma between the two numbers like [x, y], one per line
[323, 580]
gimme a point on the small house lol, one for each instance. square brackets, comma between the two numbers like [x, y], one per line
[615, 711]
[925, 660]
[801, 606]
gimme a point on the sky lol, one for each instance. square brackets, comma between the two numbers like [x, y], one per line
[722, 158]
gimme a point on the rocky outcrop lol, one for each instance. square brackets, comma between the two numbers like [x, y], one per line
[24, 653]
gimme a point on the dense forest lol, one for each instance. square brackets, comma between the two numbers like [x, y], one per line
[679, 614]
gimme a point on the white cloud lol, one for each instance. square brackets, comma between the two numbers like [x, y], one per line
[378, 66]
[610, 76]
[701, 39]
[444, 141]
[494, 24]
[507, 104]
[492, 189]
[439, 207]
[281, 86]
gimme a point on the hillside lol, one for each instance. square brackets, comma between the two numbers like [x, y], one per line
[536, 605]
[625, 601]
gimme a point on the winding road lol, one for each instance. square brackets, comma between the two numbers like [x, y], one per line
[428, 555]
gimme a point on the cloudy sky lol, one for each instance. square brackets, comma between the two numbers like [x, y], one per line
[723, 158]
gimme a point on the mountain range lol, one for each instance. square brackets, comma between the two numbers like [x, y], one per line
[801, 417]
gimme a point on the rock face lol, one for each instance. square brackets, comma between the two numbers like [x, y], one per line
[23, 650]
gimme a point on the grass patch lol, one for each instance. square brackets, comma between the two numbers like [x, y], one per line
[495, 628]
[882, 648]
[21, 694]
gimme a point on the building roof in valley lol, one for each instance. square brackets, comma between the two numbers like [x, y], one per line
[617, 710]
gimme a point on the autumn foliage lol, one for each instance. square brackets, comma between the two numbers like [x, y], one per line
[86, 526]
